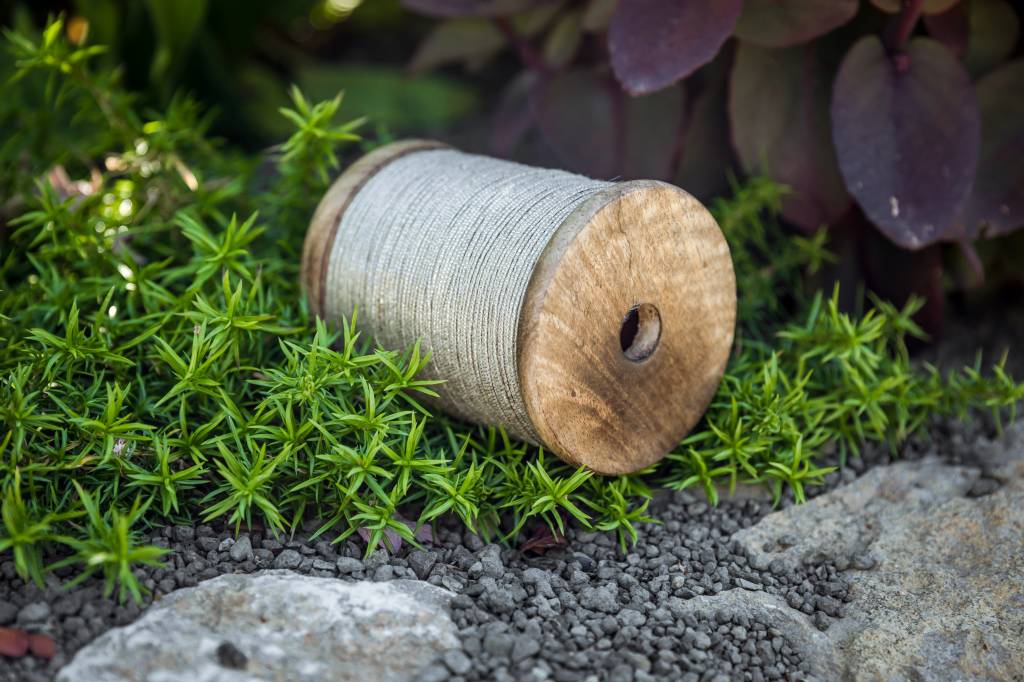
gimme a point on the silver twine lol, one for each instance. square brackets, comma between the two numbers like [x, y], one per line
[440, 245]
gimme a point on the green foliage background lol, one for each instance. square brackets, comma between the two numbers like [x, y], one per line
[158, 363]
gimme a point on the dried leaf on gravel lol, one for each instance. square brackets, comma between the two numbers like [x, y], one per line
[13, 643]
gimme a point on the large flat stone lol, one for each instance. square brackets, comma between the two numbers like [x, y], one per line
[278, 625]
[945, 599]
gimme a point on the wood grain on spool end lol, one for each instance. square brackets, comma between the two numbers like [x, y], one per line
[637, 243]
[320, 237]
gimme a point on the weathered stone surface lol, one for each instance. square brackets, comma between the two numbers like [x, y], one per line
[943, 596]
[818, 650]
[276, 625]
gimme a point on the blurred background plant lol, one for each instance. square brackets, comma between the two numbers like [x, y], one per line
[898, 125]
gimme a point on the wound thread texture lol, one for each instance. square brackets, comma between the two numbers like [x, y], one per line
[440, 245]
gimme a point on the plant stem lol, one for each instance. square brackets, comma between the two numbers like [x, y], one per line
[904, 24]
[619, 127]
[527, 54]
[690, 100]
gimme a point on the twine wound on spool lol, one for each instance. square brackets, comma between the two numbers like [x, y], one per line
[590, 317]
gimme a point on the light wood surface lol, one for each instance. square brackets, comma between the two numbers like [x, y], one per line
[642, 246]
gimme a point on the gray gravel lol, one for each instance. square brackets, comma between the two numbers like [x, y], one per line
[579, 612]
[583, 611]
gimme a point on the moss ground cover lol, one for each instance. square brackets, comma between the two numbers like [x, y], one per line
[158, 363]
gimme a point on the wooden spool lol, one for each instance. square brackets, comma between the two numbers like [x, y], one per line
[627, 323]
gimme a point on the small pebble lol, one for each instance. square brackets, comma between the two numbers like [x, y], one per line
[457, 662]
[347, 565]
[228, 656]
[34, 613]
[288, 558]
[242, 549]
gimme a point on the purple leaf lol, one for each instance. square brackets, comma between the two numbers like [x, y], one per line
[424, 533]
[654, 43]
[895, 274]
[392, 540]
[542, 540]
[778, 108]
[575, 109]
[782, 23]
[906, 129]
[652, 124]
[468, 8]
[578, 107]
[514, 116]
[707, 161]
[997, 200]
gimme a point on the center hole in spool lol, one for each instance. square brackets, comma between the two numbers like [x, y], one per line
[640, 332]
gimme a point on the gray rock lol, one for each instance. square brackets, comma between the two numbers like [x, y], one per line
[230, 656]
[288, 558]
[937, 591]
[490, 561]
[747, 585]
[457, 662]
[539, 579]
[347, 631]
[68, 605]
[702, 641]
[377, 559]
[242, 549]
[346, 565]
[524, 647]
[632, 617]
[184, 533]
[604, 598]
[422, 563]
[621, 673]
[207, 543]
[7, 612]
[433, 673]
[33, 613]
[500, 599]
[498, 644]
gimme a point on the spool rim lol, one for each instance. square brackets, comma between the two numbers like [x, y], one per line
[569, 373]
[316, 248]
